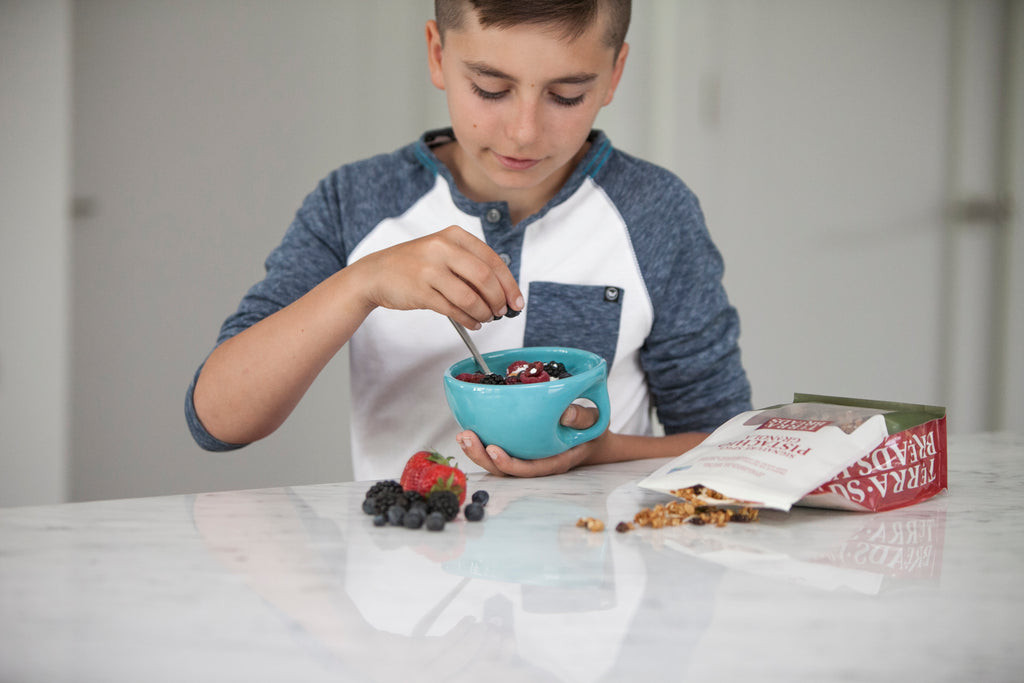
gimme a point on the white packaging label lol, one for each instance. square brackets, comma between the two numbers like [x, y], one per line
[772, 458]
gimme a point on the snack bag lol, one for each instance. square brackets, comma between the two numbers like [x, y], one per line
[909, 466]
[818, 451]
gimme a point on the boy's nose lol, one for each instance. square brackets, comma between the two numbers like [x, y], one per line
[523, 124]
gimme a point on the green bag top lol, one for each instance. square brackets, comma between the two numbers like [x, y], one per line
[898, 416]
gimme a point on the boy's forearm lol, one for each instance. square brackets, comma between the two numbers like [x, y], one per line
[252, 382]
[623, 447]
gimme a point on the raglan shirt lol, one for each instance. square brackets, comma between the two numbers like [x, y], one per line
[619, 263]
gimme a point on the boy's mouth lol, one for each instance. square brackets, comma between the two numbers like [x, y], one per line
[516, 164]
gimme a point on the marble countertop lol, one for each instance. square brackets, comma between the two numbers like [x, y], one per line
[297, 584]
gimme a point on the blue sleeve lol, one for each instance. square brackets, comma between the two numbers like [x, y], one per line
[310, 252]
[691, 357]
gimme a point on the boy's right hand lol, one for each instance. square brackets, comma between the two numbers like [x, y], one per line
[451, 272]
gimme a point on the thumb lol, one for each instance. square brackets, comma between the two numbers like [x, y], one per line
[579, 417]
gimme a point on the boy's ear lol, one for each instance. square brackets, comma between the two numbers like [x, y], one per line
[620, 65]
[434, 54]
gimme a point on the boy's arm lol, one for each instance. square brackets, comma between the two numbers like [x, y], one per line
[253, 380]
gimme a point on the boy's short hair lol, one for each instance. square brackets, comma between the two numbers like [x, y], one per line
[574, 17]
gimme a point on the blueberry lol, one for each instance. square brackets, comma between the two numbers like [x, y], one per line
[481, 497]
[474, 512]
[413, 520]
[396, 513]
[420, 505]
[380, 520]
[369, 506]
[435, 521]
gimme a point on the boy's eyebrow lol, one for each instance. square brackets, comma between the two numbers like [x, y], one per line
[483, 69]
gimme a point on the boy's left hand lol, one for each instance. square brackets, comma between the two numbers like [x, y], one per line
[497, 461]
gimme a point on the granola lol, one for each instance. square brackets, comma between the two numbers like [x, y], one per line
[680, 512]
[590, 523]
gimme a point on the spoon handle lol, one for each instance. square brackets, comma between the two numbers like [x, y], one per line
[471, 346]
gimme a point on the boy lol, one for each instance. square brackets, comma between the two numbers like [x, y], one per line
[599, 251]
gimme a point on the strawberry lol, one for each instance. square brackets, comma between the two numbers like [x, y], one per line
[516, 366]
[428, 471]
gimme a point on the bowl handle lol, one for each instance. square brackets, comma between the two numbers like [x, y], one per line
[598, 393]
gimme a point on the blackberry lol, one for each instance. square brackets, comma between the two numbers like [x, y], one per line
[413, 519]
[380, 520]
[382, 486]
[474, 512]
[556, 370]
[492, 379]
[445, 502]
[481, 497]
[396, 514]
[386, 499]
[414, 497]
[511, 313]
[435, 521]
[381, 496]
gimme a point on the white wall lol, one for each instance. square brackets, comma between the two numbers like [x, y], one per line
[35, 91]
[1012, 406]
[199, 128]
[817, 135]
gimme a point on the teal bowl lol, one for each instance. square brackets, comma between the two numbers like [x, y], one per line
[523, 419]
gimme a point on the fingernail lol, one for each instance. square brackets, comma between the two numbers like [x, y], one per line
[491, 452]
[465, 443]
[520, 303]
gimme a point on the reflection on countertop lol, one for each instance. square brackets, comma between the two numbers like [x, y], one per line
[297, 583]
[820, 549]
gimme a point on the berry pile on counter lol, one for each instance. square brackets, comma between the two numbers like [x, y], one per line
[429, 494]
[519, 372]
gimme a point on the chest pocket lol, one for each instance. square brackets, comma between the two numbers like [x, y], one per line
[579, 316]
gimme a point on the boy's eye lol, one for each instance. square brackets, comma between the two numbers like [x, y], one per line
[560, 100]
[486, 94]
[567, 101]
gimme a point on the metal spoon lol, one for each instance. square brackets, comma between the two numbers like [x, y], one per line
[471, 346]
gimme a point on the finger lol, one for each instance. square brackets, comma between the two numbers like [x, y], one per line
[579, 417]
[481, 277]
[469, 283]
[471, 445]
[451, 295]
[542, 467]
[436, 301]
[511, 296]
[462, 303]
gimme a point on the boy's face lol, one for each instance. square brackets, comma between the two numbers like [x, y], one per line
[522, 101]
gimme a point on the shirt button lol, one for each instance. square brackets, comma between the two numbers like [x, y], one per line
[493, 216]
[506, 259]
